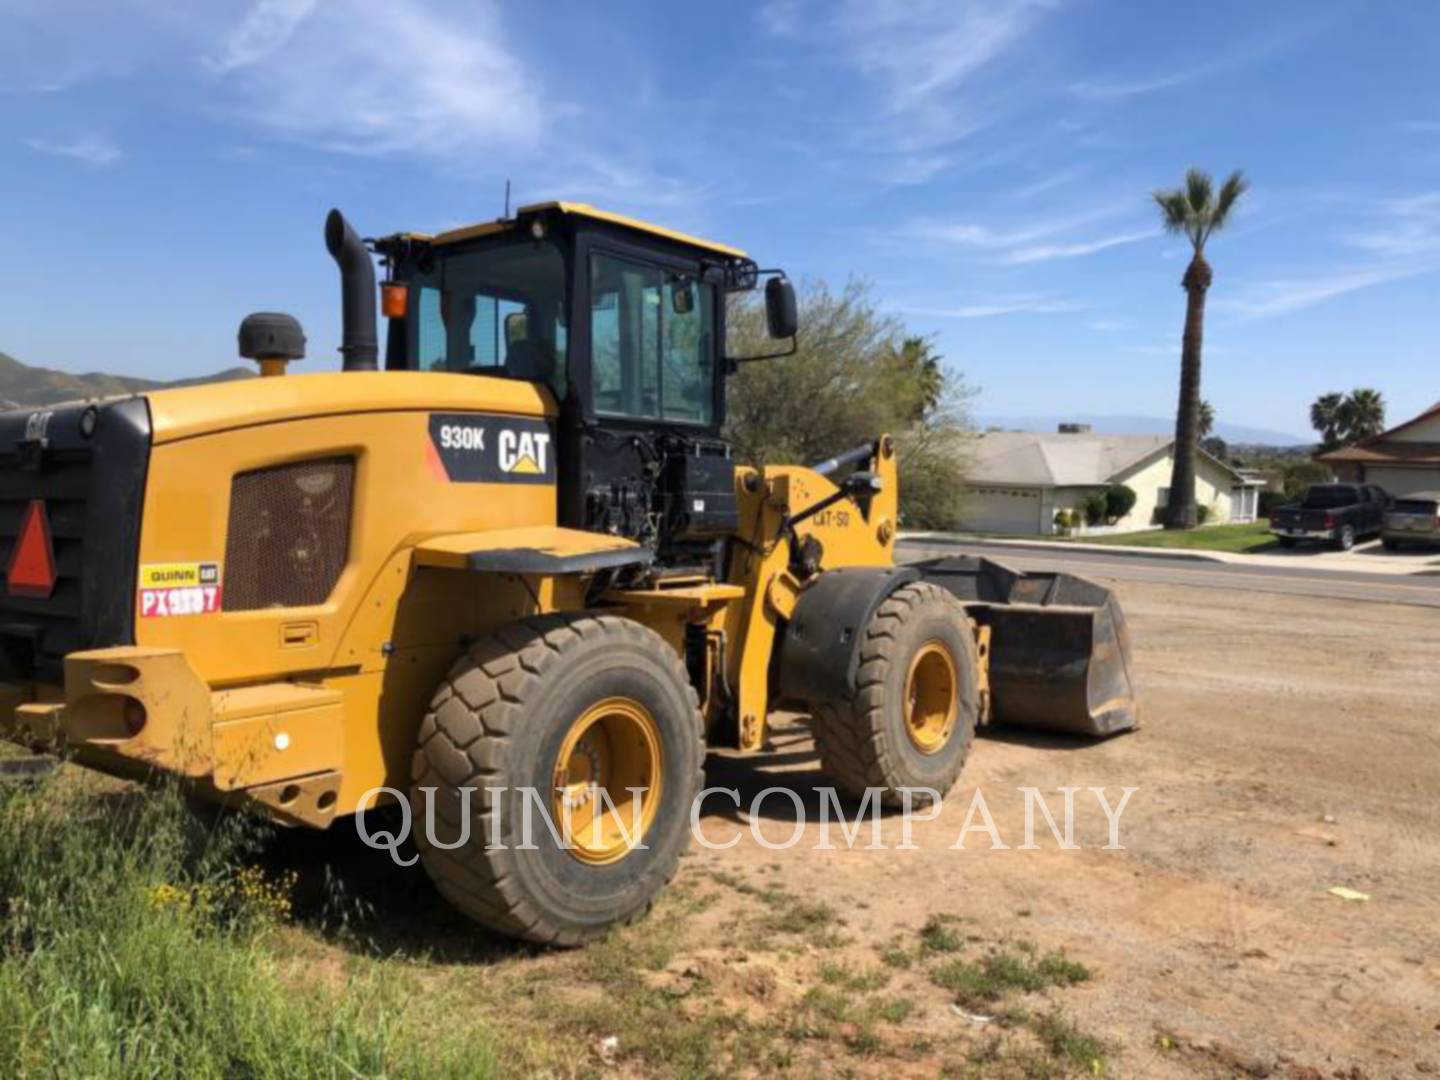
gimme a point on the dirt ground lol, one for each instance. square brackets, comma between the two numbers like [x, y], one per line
[1289, 745]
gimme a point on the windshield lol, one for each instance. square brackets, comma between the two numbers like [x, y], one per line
[496, 310]
[1327, 498]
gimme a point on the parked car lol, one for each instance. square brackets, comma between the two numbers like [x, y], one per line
[1415, 519]
[1339, 514]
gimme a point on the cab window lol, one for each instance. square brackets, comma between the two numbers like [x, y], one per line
[652, 342]
[493, 311]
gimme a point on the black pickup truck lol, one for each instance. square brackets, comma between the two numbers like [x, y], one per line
[1337, 513]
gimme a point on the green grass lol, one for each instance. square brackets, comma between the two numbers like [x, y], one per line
[135, 942]
[1009, 969]
[1238, 538]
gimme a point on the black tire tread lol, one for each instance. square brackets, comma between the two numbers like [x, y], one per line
[851, 736]
[461, 743]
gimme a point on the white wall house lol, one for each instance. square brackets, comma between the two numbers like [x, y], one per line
[1404, 460]
[1021, 479]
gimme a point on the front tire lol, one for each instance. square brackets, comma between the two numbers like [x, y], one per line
[555, 711]
[912, 718]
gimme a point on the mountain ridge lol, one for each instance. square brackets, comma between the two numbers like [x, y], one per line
[23, 386]
[1141, 425]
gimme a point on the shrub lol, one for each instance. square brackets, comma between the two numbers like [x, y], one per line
[1064, 520]
[1096, 508]
[1119, 501]
[1203, 514]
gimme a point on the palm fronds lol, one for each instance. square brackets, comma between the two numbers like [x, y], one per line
[1195, 210]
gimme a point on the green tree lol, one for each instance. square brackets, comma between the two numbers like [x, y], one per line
[918, 360]
[1205, 422]
[1119, 501]
[856, 373]
[1325, 418]
[1343, 419]
[1362, 415]
[1195, 211]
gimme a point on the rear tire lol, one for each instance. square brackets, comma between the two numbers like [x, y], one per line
[1286, 541]
[503, 718]
[892, 734]
[1346, 540]
[1391, 545]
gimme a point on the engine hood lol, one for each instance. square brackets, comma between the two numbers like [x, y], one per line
[186, 412]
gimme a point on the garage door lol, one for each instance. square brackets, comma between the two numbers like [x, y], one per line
[1007, 510]
[1403, 481]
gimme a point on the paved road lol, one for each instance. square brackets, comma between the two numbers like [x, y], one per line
[1418, 590]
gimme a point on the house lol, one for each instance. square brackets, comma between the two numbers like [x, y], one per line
[1403, 460]
[1021, 479]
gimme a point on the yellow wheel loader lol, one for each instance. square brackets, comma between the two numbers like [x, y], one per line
[505, 572]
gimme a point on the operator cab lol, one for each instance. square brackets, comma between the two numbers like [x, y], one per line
[624, 322]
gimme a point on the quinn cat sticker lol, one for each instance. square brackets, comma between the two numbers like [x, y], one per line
[187, 588]
[478, 448]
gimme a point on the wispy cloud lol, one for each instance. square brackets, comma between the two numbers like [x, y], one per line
[920, 65]
[89, 147]
[1266, 299]
[1402, 240]
[779, 17]
[1411, 228]
[1025, 304]
[1040, 241]
[1048, 183]
[922, 51]
[1108, 89]
[1046, 252]
[379, 78]
[265, 28]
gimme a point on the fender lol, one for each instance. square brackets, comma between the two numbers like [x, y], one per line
[820, 652]
[540, 549]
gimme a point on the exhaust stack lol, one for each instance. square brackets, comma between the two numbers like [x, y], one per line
[359, 344]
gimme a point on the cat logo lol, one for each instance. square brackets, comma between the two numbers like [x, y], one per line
[482, 448]
[524, 452]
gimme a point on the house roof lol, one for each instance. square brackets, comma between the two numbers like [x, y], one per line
[1051, 459]
[1379, 449]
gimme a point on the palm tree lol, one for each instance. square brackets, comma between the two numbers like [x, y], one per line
[1206, 421]
[1363, 415]
[922, 365]
[1194, 211]
[1326, 418]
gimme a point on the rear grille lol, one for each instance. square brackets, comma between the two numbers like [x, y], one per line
[289, 534]
[92, 487]
[51, 623]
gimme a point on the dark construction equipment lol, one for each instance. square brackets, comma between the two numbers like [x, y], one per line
[1059, 649]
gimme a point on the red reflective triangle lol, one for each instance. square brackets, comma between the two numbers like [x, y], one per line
[32, 564]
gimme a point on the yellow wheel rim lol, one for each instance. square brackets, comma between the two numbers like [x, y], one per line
[613, 746]
[931, 697]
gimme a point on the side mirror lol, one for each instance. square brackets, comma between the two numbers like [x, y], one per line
[782, 318]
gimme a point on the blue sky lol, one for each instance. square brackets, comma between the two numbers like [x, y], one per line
[167, 166]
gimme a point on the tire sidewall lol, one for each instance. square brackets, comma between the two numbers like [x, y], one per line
[581, 894]
[931, 622]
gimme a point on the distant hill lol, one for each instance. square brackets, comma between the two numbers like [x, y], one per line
[1142, 425]
[23, 386]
